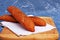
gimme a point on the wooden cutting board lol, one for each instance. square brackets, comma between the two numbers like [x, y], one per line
[53, 34]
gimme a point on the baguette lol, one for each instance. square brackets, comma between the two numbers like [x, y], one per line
[37, 21]
[7, 18]
[22, 18]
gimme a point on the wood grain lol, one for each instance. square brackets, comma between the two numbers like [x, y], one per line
[53, 34]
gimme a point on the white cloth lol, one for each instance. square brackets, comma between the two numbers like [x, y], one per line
[19, 30]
